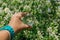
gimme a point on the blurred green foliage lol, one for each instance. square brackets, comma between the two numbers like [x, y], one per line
[45, 15]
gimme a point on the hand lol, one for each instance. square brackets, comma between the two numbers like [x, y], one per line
[16, 22]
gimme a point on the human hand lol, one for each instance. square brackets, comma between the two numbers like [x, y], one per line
[16, 22]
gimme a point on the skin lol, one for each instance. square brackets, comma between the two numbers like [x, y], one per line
[16, 24]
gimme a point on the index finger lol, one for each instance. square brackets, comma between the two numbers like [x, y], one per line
[21, 14]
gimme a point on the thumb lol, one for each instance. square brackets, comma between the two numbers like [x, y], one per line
[27, 26]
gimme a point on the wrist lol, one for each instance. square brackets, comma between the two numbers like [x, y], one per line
[14, 28]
